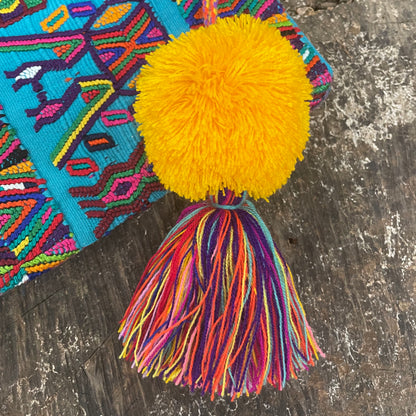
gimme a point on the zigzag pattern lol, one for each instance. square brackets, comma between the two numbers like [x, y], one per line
[34, 236]
[95, 48]
[11, 152]
[273, 12]
[123, 189]
[118, 51]
[123, 48]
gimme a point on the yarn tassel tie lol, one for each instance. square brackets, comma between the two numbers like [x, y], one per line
[222, 110]
[216, 308]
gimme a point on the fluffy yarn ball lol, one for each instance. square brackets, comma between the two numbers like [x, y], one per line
[224, 106]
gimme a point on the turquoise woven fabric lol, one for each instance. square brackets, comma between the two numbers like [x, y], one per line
[72, 165]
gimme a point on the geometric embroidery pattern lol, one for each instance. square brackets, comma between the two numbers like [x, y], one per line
[81, 167]
[97, 94]
[262, 9]
[67, 82]
[122, 189]
[12, 11]
[118, 38]
[81, 9]
[98, 141]
[34, 235]
[124, 48]
[116, 117]
[55, 20]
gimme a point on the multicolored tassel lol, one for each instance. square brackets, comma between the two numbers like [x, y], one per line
[223, 110]
[216, 307]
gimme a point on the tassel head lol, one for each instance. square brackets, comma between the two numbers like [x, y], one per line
[224, 106]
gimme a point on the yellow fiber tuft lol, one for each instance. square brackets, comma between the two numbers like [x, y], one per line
[224, 106]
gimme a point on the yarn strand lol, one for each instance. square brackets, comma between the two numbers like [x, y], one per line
[217, 308]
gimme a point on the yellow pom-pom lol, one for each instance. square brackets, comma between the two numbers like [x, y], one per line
[224, 106]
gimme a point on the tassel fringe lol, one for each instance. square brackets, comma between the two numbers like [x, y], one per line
[216, 308]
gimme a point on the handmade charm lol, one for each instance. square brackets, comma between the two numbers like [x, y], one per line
[224, 113]
[72, 166]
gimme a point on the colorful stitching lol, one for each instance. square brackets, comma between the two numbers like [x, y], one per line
[116, 117]
[123, 189]
[118, 51]
[15, 10]
[34, 236]
[123, 50]
[82, 9]
[55, 20]
[103, 94]
[113, 14]
[99, 141]
[81, 167]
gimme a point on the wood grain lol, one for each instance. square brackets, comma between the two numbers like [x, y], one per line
[345, 222]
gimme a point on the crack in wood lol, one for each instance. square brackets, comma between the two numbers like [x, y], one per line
[91, 356]
[42, 302]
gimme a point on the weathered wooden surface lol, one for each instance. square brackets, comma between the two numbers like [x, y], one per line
[345, 222]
